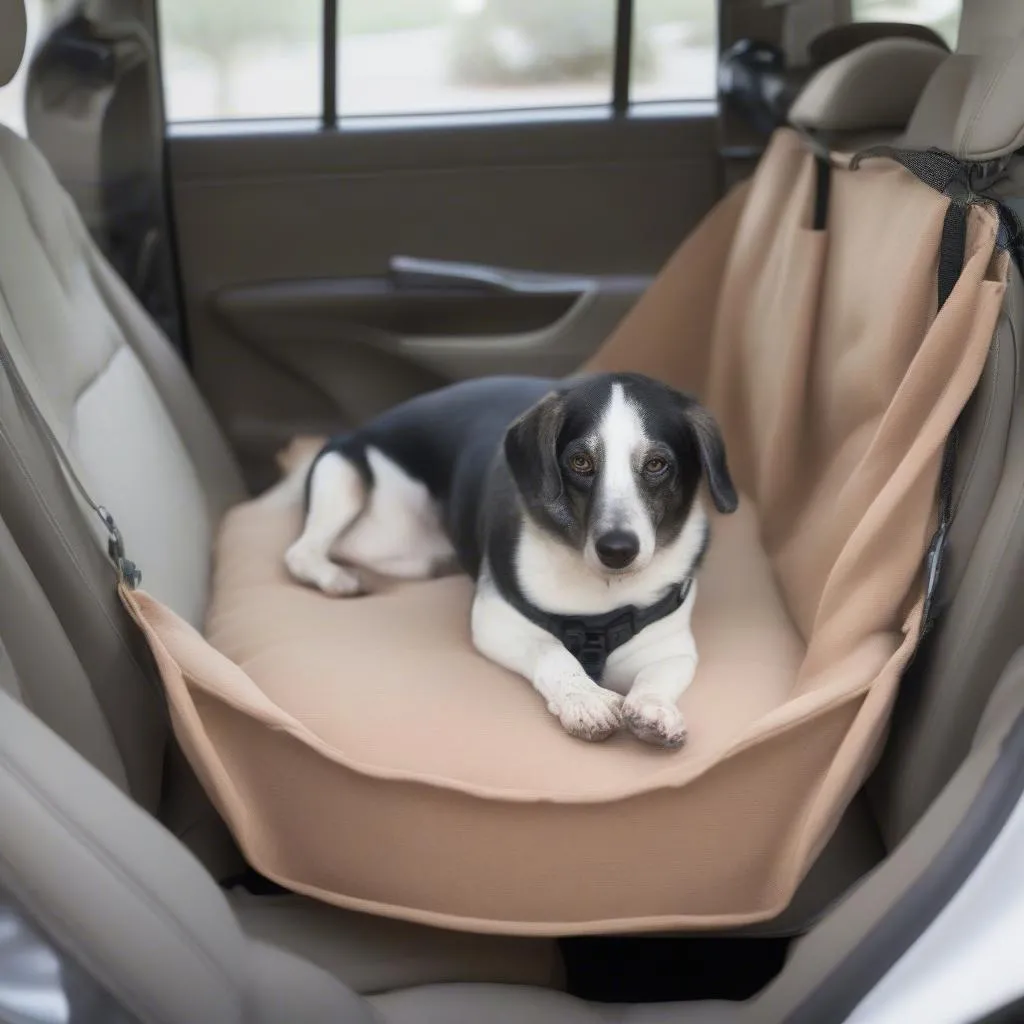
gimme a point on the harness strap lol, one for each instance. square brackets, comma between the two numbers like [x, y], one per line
[823, 186]
[127, 571]
[590, 639]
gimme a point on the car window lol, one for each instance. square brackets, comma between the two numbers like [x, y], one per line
[258, 59]
[943, 16]
[40, 14]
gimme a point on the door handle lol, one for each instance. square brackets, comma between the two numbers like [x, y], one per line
[411, 272]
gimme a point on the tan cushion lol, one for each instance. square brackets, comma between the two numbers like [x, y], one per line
[364, 754]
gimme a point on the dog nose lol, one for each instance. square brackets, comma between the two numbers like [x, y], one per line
[617, 548]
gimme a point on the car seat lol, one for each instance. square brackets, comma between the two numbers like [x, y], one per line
[130, 417]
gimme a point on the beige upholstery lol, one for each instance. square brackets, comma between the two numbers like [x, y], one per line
[986, 24]
[835, 389]
[173, 952]
[873, 87]
[971, 107]
[98, 397]
[106, 708]
[118, 397]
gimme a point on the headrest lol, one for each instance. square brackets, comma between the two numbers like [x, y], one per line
[985, 23]
[839, 40]
[972, 106]
[876, 86]
[12, 38]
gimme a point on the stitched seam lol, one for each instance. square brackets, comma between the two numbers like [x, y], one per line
[980, 109]
[929, 713]
[984, 593]
[66, 544]
[119, 871]
[983, 433]
[37, 232]
[118, 348]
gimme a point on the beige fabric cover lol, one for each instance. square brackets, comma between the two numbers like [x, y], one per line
[364, 754]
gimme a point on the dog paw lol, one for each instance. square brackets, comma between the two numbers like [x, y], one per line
[590, 714]
[332, 579]
[655, 721]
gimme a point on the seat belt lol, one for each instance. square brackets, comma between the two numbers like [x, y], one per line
[128, 572]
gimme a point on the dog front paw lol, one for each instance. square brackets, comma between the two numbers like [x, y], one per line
[655, 721]
[589, 714]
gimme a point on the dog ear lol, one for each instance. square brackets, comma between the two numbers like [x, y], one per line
[530, 449]
[711, 449]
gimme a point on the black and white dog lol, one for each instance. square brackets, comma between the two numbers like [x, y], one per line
[575, 506]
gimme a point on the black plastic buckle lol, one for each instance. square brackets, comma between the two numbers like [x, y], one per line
[591, 647]
[933, 569]
[588, 646]
[126, 568]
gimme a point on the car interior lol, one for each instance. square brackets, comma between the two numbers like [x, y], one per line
[176, 307]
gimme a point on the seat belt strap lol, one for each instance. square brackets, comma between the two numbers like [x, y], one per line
[127, 571]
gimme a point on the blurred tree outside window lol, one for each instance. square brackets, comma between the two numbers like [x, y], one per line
[226, 59]
[943, 16]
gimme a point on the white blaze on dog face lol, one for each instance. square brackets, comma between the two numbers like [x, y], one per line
[620, 527]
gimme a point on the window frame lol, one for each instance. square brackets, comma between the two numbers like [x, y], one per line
[332, 119]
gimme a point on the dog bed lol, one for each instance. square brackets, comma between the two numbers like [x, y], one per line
[364, 754]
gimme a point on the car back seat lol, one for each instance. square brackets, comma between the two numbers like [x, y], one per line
[142, 925]
[967, 105]
[128, 414]
[970, 107]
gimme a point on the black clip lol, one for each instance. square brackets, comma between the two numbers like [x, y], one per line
[127, 570]
[933, 569]
[589, 647]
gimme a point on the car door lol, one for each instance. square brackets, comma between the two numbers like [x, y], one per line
[374, 198]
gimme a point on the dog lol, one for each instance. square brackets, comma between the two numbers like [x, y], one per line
[575, 505]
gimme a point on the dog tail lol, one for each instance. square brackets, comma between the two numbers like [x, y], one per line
[295, 461]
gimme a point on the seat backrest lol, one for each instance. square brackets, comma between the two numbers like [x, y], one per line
[971, 108]
[122, 405]
[110, 894]
[82, 344]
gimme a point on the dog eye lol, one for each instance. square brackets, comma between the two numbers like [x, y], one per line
[581, 463]
[655, 466]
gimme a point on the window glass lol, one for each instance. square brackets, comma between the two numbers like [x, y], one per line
[446, 56]
[941, 15]
[40, 984]
[12, 96]
[241, 58]
[675, 50]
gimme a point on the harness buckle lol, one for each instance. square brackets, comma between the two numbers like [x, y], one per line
[588, 646]
[591, 647]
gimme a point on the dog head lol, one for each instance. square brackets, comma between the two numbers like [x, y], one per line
[611, 465]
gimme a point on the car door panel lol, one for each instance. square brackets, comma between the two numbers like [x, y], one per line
[329, 274]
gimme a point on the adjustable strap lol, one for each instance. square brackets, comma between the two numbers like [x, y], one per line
[127, 571]
[823, 186]
[590, 639]
[822, 179]
[960, 182]
[965, 184]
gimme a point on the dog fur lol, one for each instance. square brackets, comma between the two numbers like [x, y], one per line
[576, 497]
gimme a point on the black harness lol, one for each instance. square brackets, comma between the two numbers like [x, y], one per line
[591, 638]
